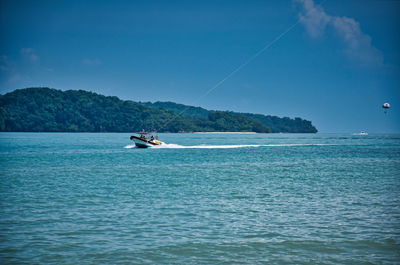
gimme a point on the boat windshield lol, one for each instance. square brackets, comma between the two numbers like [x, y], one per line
[143, 134]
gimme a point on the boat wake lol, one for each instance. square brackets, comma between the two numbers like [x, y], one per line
[177, 146]
[129, 146]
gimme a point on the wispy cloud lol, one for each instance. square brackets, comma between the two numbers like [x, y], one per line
[5, 64]
[8, 69]
[357, 44]
[29, 53]
[313, 18]
[91, 62]
[20, 68]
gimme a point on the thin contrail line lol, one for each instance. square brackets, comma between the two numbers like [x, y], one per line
[249, 60]
[235, 71]
[267, 46]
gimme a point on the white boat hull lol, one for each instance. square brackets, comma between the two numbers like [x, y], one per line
[144, 143]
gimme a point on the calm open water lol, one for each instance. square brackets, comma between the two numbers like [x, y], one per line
[87, 198]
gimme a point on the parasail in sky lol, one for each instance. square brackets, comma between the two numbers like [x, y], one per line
[386, 106]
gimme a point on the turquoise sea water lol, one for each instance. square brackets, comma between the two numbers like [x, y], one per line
[285, 199]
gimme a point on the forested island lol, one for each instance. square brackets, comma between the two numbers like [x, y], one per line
[42, 109]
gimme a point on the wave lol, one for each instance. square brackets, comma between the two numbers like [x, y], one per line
[177, 146]
[129, 146]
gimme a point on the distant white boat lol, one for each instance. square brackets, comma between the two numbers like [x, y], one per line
[361, 133]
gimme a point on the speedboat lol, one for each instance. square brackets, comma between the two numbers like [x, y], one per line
[142, 141]
[361, 133]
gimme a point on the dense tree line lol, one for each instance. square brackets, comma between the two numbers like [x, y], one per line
[274, 123]
[285, 124]
[189, 111]
[50, 110]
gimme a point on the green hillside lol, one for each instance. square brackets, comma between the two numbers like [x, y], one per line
[50, 110]
[274, 123]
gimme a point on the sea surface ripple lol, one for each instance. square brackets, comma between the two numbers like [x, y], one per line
[82, 198]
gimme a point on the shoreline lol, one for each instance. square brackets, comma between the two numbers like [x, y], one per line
[227, 132]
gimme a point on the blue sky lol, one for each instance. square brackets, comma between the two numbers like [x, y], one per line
[336, 67]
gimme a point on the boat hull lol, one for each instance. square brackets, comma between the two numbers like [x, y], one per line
[144, 143]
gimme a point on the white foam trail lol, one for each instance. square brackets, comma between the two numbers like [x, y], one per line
[177, 146]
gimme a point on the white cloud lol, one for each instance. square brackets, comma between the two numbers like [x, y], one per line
[91, 62]
[358, 45]
[21, 68]
[29, 53]
[314, 18]
[5, 64]
[8, 68]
